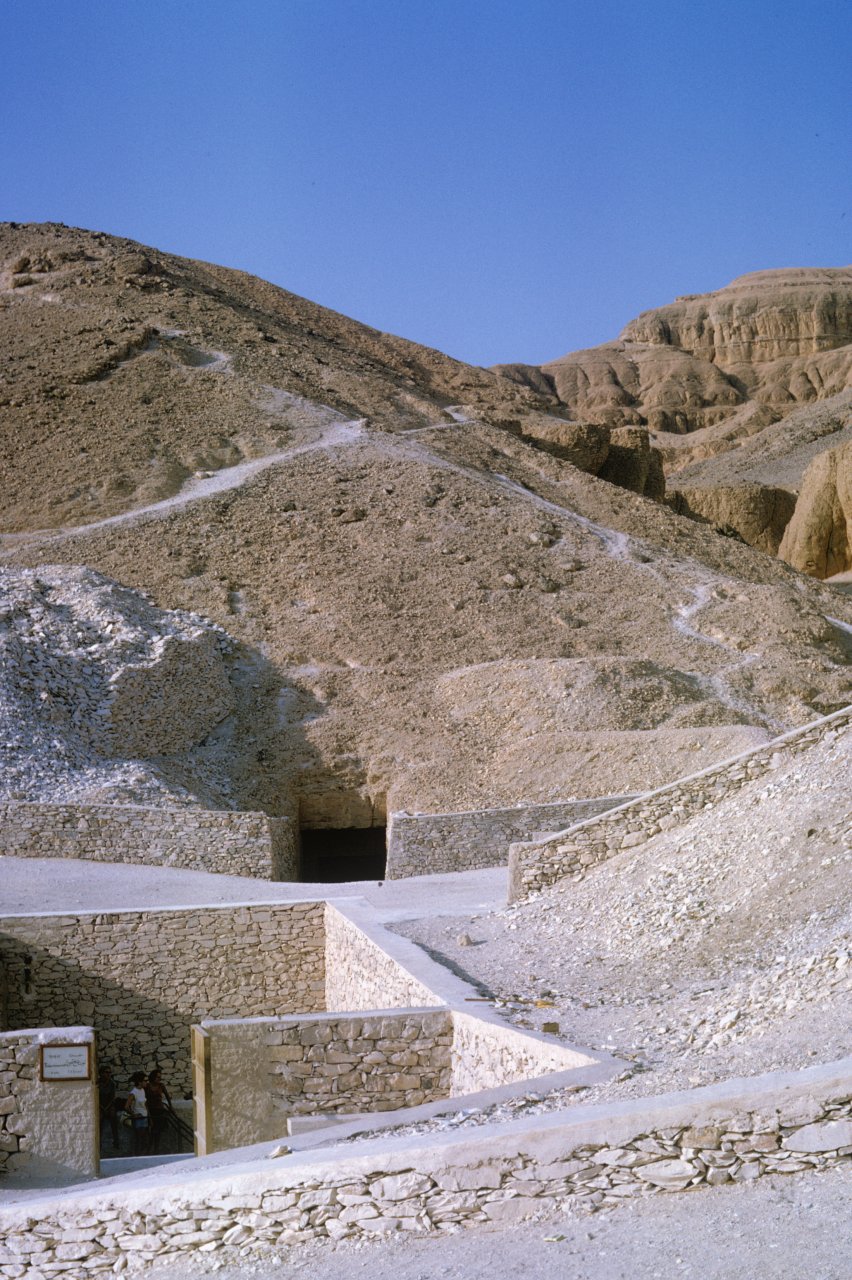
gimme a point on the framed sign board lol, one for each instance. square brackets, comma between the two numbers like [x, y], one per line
[65, 1061]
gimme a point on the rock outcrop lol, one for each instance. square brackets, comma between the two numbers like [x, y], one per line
[756, 513]
[633, 464]
[777, 338]
[818, 539]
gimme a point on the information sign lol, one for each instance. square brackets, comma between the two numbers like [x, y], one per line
[66, 1062]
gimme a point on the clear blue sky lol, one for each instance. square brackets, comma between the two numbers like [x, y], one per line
[503, 179]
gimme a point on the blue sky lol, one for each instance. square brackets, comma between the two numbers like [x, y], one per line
[502, 180]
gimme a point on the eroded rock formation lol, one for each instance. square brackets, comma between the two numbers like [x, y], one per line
[818, 539]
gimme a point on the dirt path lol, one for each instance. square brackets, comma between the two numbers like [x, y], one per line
[338, 434]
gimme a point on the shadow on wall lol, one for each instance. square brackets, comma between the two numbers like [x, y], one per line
[135, 1031]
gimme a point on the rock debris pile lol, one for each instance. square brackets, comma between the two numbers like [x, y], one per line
[104, 697]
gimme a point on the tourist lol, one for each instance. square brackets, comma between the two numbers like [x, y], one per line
[159, 1104]
[137, 1107]
[107, 1103]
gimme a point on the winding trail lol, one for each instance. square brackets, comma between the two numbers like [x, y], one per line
[338, 434]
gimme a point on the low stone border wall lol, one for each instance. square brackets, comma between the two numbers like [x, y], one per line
[263, 1071]
[363, 973]
[533, 867]
[48, 1125]
[601, 1155]
[488, 1053]
[143, 977]
[237, 844]
[421, 844]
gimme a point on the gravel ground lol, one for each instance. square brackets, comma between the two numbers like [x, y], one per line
[774, 1229]
[722, 948]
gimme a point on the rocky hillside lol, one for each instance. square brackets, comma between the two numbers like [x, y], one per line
[718, 948]
[739, 389]
[436, 608]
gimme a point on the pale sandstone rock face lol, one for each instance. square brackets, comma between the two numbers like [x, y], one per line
[584, 444]
[818, 539]
[756, 513]
[632, 383]
[757, 318]
[723, 369]
[780, 338]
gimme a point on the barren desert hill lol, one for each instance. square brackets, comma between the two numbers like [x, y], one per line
[428, 610]
[107, 340]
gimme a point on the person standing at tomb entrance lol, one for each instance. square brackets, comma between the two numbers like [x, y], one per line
[159, 1104]
[108, 1103]
[137, 1106]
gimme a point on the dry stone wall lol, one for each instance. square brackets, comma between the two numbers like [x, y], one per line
[362, 974]
[143, 977]
[48, 1125]
[262, 1071]
[533, 867]
[242, 844]
[597, 1156]
[422, 844]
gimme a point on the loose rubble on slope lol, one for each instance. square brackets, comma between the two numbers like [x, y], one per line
[105, 697]
[720, 948]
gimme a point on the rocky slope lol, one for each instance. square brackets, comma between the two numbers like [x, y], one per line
[104, 697]
[740, 388]
[719, 948]
[437, 609]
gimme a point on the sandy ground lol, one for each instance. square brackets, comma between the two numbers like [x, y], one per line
[48, 884]
[774, 1229]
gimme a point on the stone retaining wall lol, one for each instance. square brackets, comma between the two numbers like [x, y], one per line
[46, 1125]
[361, 974]
[533, 867]
[599, 1156]
[143, 977]
[240, 844]
[422, 844]
[264, 1070]
[488, 1053]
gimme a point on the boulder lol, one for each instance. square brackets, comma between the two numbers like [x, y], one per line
[758, 513]
[818, 539]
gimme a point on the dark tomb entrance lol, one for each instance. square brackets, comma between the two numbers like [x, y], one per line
[332, 855]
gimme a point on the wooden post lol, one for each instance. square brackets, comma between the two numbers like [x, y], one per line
[201, 1092]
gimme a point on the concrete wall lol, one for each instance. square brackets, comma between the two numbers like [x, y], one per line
[242, 844]
[143, 977]
[598, 1155]
[264, 1070]
[422, 844]
[361, 973]
[533, 867]
[48, 1128]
